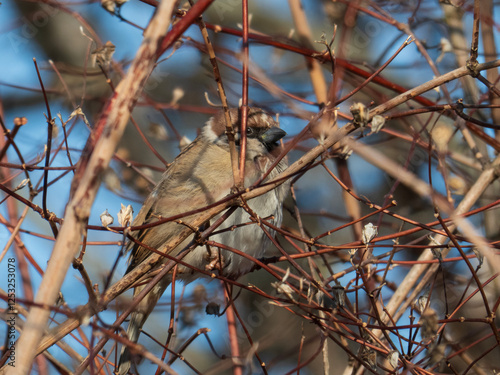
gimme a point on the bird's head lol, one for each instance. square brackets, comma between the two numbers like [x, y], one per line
[262, 132]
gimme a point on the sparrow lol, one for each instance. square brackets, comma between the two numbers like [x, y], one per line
[199, 176]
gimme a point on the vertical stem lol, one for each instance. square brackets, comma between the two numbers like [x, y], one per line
[475, 32]
[244, 94]
[50, 124]
[490, 52]
[233, 337]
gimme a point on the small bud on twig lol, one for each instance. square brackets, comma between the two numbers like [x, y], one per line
[369, 232]
[359, 114]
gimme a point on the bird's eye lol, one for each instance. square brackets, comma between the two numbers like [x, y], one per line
[249, 131]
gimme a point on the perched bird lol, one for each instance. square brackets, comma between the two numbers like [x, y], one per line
[199, 176]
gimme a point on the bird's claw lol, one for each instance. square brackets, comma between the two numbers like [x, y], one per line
[215, 259]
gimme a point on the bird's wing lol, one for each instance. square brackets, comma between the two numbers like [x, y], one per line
[181, 189]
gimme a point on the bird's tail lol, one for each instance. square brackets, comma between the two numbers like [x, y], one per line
[134, 328]
[137, 320]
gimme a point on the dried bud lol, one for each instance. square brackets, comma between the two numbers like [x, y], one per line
[85, 320]
[457, 185]
[110, 5]
[445, 47]
[282, 287]
[378, 123]
[106, 219]
[103, 55]
[479, 256]
[20, 121]
[55, 129]
[78, 112]
[22, 184]
[441, 135]
[123, 153]
[359, 114]
[369, 232]
[422, 301]
[345, 152]
[177, 95]
[125, 215]
[158, 131]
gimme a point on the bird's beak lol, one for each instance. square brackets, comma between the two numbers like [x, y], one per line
[273, 135]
